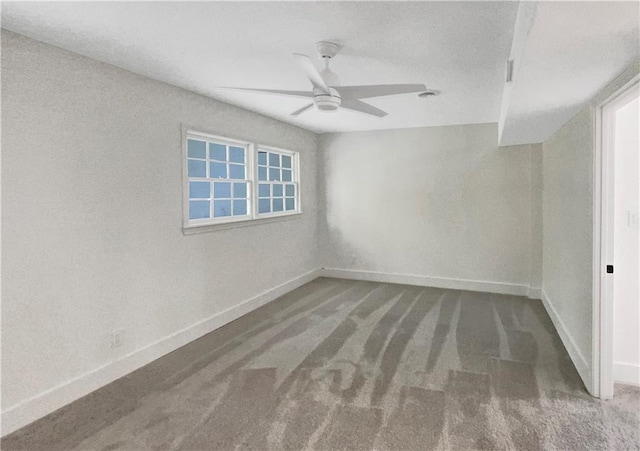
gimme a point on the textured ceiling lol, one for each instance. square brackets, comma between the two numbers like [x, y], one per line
[571, 51]
[459, 49]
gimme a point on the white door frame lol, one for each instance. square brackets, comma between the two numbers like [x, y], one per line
[603, 222]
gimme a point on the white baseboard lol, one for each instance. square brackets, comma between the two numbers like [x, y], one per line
[576, 355]
[27, 411]
[626, 373]
[426, 281]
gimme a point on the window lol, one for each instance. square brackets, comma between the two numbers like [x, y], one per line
[218, 186]
[276, 182]
[227, 182]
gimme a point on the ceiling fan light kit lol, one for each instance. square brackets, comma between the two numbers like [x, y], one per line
[327, 94]
[327, 102]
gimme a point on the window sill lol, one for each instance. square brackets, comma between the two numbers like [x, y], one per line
[207, 228]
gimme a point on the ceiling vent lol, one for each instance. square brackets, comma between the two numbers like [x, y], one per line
[509, 71]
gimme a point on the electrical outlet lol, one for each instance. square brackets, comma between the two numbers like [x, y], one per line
[117, 338]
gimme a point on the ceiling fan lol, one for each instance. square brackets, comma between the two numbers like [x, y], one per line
[327, 94]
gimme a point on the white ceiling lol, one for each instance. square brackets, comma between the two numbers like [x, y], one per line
[458, 48]
[572, 51]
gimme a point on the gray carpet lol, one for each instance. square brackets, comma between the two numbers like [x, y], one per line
[355, 365]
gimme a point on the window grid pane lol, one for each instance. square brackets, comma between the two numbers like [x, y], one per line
[264, 190]
[262, 173]
[236, 154]
[221, 208]
[217, 152]
[239, 207]
[198, 209]
[236, 171]
[240, 190]
[197, 168]
[221, 190]
[264, 205]
[286, 161]
[274, 174]
[218, 170]
[196, 149]
[199, 190]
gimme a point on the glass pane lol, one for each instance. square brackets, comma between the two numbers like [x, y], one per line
[236, 171]
[262, 173]
[274, 159]
[263, 190]
[286, 175]
[274, 174]
[217, 151]
[236, 154]
[290, 190]
[221, 190]
[239, 190]
[264, 205]
[198, 209]
[218, 170]
[196, 149]
[290, 203]
[197, 168]
[221, 208]
[199, 190]
[239, 207]
[277, 190]
[262, 158]
[277, 204]
[286, 161]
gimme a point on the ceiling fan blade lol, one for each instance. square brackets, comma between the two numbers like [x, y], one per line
[356, 105]
[302, 110]
[312, 72]
[304, 94]
[365, 92]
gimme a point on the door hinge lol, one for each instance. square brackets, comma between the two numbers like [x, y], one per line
[609, 269]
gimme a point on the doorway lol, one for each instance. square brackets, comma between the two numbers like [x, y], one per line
[617, 241]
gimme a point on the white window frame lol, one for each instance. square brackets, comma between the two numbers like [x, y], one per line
[251, 174]
[295, 180]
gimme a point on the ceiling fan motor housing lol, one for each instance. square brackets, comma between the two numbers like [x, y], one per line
[327, 49]
[327, 102]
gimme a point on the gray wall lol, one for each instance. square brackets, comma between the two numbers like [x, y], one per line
[568, 229]
[442, 202]
[92, 216]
